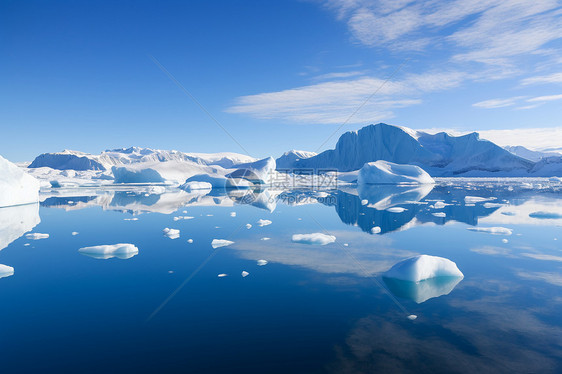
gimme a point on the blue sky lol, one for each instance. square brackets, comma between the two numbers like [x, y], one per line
[276, 75]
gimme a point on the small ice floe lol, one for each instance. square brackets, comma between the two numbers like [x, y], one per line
[26, 245]
[233, 214]
[314, 238]
[477, 199]
[264, 222]
[375, 230]
[74, 233]
[184, 212]
[364, 202]
[439, 205]
[171, 233]
[245, 274]
[492, 230]
[248, 226]
[103, 252]
[216, 243]
[504, 241]
[440, 214]
[422, 277]
[6, 271]
[345, 244]
[546, 215]
[130, 219]
[222, 275]
[182, 217]
[262, 262]
[265, 238]
[396, 209]
[209, 215]
[493, 205]
[423, 267]
[36, 236]
[412, 317]
[170, 272]
[190, 241]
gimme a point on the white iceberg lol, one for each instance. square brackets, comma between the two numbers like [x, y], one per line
[375, 230]
[264, 222]
[396, 209]
[262, 262]
[217, 243]
[384, 172]
[477, 199]
[171, 233]
[248, 226]
[492, 230]
[16, 186]
[222, 275]
[316, 238]
[122, 251]
[196, 186]
[36, 236]
[258, 172]
[6, 271]
[440, 214]
[245, 274]
[423, 267]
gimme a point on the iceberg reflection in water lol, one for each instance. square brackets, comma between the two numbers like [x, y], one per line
[16, 221]
[422, 291]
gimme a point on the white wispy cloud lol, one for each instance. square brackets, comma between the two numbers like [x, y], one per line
[542, 79]
[545, 98]
[497, 103]
[333, 102]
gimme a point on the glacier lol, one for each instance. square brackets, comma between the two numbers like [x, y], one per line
[16, 186]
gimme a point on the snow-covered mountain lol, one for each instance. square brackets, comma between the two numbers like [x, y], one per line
[79, 161]
[439, 154]
[288, 159]
[535, 156]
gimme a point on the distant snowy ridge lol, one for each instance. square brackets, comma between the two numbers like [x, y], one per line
[75, 160]
[529, 154]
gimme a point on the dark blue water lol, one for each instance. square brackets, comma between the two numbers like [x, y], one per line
[311, 309]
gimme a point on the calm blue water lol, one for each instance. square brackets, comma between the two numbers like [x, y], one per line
[311, 309]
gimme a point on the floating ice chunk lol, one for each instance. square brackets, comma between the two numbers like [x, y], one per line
[423, 267]
[222, 275]
[36, 236]
[439, 205]
[130, 219]
[6, 271]
[265, 238]
[504, 241]
[346, 244]
[245, 274]
[384, 172]
[262, 262]
[477, 199]
[396, 209]
[216, 243]
[233, 214]
[16, 186]
[264, 222]
[74, 233]
[190, 241]
[171, 233]
[196, 186]
[27, 244]
[314, 238]
[440, 214]
[248, 226]
[493, 205]
[375, 230]
[122, 251]
[364, 202]
[546, 215]
[412, 317]
[182, 217]
[492, 230]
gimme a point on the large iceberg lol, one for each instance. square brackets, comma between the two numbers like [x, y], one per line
[258, 172]
[169, 172]
[16, 186]
[6, 271]
[385, 172]
[423, 267]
